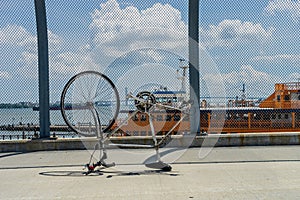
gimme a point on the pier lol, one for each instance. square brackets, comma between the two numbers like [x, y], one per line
[178, 141]
[269, 172]
[33, 128]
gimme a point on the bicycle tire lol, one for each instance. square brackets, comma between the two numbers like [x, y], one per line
[84, 91]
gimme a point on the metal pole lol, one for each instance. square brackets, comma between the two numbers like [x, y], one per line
[194, 65]
[43, 62]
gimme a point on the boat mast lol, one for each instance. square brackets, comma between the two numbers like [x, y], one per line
[183, 77]
[243, 92]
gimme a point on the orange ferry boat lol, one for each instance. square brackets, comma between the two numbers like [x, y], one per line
[280, 112]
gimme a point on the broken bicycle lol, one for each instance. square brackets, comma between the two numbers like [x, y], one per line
[90, 105]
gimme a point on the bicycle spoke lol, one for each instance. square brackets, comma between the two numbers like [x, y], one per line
[85, 91]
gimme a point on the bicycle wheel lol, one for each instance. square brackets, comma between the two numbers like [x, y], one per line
[89, 99]
[149, 100]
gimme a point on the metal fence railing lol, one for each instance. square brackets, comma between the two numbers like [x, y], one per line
[143, 46]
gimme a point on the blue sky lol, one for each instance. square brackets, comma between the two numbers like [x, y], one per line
[255, 42]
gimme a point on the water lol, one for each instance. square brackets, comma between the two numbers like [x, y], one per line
[26, 116]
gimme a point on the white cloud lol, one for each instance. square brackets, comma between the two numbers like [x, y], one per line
[294, 77]
[246, 74]
[111, 20]
[14, 35]
[292, 7]
[19, 36]
[229, 33]
[145, 74]
[30, 59]
[279, 57]
[258, 83]
[55, 41]
[59, 64]
[151, 53]
[4, 75]
[118, 31]
[72, 63]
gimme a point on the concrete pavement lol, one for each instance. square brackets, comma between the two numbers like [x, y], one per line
[266, 172]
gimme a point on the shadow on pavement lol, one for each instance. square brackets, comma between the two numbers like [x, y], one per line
[110, 174]
[10, 154]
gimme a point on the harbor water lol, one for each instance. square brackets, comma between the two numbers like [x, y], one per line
[28, 117]
[14, 116]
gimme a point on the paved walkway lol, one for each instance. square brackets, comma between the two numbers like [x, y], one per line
[199, 173]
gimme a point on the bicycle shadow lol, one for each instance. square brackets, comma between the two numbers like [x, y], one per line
[109, 174]
[143, 172]
[67, 173]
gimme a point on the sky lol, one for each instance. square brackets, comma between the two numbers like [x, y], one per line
[136, 43]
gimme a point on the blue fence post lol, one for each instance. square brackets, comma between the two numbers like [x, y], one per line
[43, 63]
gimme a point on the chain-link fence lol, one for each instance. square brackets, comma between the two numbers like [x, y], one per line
[245, 49]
